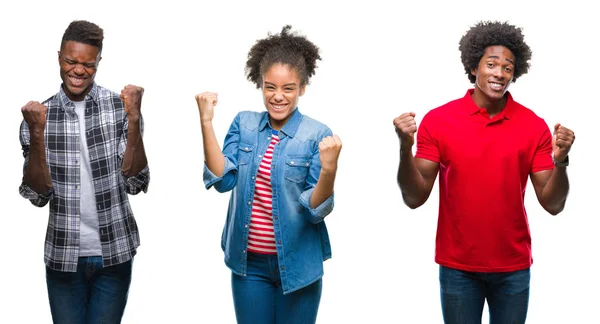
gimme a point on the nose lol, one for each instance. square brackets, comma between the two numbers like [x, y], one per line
[278, 96]
[499, 73]
[79, 69]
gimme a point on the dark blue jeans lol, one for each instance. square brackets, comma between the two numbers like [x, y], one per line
[259, 299]
[463, 294]
[91, 295]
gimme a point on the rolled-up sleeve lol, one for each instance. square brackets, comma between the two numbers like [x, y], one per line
[139, 182]
[320, 212]
[316, 215]
[228, 179]
[37, 199]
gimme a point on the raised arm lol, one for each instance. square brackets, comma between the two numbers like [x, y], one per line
[552, 186]
[215, 160]
[329, 152]
[134, 159]
[36, 173]
[415, 176]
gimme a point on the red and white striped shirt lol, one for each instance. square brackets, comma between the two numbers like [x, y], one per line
[261, 238]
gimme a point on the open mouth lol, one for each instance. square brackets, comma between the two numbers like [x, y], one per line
[278, 107]
[496, 86]
[76, 81]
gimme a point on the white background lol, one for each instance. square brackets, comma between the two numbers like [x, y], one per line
[380, 59]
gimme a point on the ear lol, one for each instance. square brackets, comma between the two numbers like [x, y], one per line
[302, 89]
[474, 71]
[58, 56]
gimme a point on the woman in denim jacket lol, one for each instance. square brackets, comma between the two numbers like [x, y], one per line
[280, 166]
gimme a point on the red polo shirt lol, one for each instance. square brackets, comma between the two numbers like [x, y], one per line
[484, 166]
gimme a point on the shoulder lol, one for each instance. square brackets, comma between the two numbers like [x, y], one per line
[529, 117]
[52, 102]
[310, 128]
[106, 94]
[442, 112]
[249, 119]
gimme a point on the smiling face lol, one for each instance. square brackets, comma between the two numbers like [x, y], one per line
[493, 75]
[282, 88]
[78, 64]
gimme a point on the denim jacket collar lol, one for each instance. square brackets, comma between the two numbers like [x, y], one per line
[289, 128]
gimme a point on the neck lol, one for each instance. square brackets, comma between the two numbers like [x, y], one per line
[493, 107]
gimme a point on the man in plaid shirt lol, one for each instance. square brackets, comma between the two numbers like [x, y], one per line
[83, 154]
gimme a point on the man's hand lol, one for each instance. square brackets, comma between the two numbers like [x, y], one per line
[562, 140]
[132, 98]
[34, 114]
[406, 127]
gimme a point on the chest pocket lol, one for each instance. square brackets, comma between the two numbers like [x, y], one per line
[245, 152]
[296, 169]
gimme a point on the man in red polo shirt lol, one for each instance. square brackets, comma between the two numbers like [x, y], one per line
[484, 146]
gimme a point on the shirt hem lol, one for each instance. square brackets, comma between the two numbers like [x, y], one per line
[464, 267]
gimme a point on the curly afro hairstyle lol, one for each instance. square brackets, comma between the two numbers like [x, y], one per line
[286, 48]
[487, 33]
[85, 32]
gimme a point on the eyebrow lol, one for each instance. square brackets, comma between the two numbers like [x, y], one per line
[497, 57]
[73, 61]
[285, 85]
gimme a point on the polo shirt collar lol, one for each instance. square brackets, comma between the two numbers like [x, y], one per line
[472, 108]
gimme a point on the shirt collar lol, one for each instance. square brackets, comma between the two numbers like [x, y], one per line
[472, 108]
[67, 103]
[289, 128]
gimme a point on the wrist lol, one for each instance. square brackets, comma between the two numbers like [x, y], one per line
[328, 170]
[205, 122]
[134, 118]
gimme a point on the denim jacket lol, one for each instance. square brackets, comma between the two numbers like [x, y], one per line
[301, 237]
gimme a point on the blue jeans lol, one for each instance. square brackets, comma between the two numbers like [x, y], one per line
[463, 294]
[91, 295]
[258, 297]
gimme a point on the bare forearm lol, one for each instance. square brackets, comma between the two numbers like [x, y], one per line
[323, 189]
[37, 174]
[134, 159]
[410, 180]
[556, 191]
[215, 161]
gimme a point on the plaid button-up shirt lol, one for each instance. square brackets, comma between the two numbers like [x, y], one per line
[106, 136]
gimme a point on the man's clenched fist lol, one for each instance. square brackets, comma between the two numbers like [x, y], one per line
[34, 114]
[132, 98]
[406, 127]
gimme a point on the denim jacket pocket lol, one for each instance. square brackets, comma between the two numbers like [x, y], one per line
[297, 167]
[245, 153]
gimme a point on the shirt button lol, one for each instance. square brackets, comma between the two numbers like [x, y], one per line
[252, 177]
[246, 149]
[292, 162]
[274, 192]
[243, 251]
[76, 186]
[275, 217]
[249, 202]
[259, 155]
[279, 242]
[246, 226]
[282, 268]
[269, 137]
[306, 164]
[273, 166]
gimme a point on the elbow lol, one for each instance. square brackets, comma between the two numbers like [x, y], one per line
[412, 202]
[555, 211]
